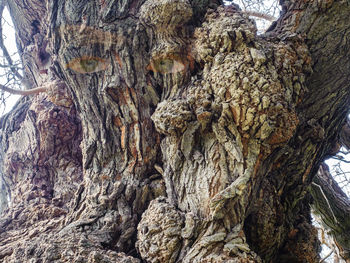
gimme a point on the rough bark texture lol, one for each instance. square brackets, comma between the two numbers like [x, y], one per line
[170, 131]
[333, 206]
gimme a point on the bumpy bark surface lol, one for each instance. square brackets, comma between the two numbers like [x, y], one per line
[170, 131]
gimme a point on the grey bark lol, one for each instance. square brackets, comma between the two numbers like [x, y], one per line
[333, 206]
[170, 131]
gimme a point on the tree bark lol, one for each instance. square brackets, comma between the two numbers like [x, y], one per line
[333, 206]
[170, 131]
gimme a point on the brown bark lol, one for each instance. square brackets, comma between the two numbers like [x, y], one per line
[168, 135]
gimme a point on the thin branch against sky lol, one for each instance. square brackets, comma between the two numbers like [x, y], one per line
[266, 7]
[7, 101]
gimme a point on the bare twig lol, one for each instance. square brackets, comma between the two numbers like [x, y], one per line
[326, 199]
[12, 73]
[23, 92]
[340, 158]
[260, 15]
[324, 259]
[13, 68]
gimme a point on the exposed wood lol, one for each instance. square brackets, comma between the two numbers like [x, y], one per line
[23, 92]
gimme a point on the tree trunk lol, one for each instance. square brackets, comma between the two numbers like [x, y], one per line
[170, 131]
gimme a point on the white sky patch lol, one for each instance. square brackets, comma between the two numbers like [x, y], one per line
[268, 7]
[8, 100]
[339, 167]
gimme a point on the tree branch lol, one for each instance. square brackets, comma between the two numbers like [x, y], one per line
[23, 92]
[315, 23]
[345, 135]
[340, 158]
[11, 66]
[260, 15]
[334, 207]
[324, 259]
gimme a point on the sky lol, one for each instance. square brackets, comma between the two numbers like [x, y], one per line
[10, 43]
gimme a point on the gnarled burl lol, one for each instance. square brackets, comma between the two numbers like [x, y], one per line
[171, 131]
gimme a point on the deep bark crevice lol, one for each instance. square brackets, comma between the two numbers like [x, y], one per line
[170, 131]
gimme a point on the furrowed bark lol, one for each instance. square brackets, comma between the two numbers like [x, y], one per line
[170, 136]
[325, 34]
